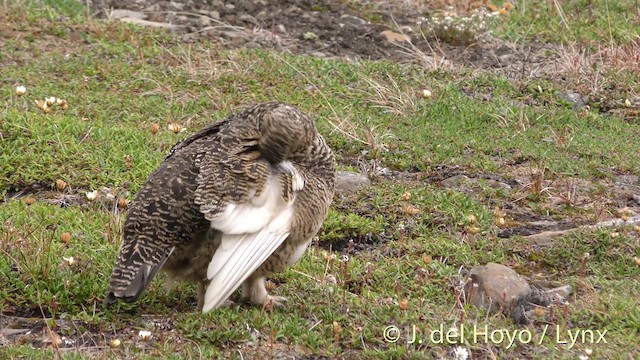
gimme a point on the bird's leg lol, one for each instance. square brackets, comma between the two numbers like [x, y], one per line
[255, 292]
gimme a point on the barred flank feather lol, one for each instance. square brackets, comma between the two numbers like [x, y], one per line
[230, 205]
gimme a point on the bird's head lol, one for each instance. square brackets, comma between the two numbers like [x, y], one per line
[284, 132]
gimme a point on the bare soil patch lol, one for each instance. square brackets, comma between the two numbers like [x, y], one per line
[327, 29]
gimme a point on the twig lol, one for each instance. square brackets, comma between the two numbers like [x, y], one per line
[85, 136]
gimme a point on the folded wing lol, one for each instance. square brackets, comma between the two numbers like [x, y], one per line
[251, 204]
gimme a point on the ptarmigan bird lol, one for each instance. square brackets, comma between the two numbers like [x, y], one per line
[232, 204]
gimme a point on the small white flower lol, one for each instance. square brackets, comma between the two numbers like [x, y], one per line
[627, 103]
[144, 334]
[426, 94]
[460, 353]
[92, 195]
[583, 357]
[588, 352]
[69, 260]
[50, 101]
[20, 90]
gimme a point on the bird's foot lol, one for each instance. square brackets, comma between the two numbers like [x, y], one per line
[266, 301]
[269, 302]
[255, 292]
[274, 301]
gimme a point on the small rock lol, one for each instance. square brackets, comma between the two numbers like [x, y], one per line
[231, 34]
[499, 288]
[563, 292]
[498, 185]
[292, 10]
[466, 184]
[352, 20]
[4, 341]
[248, 19]
[177, 5]
[456, 182]
[149, 23]
[309, 36]
[507, 58]
[628, 180]
[545, 298]
[204, 21]
[349, 182]
[123, 13]
[281, 29]
[251, 45]
[392, 37]
[152, 8]
[214, 15]
[319, 54]
[262, 15]
[382, 171]
[229, 6]
[574, 99]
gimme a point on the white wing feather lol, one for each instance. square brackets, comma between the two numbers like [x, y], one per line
[251, 233]
[236, 266]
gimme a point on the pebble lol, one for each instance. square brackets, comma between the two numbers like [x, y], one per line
[573, 98]
[123, 13]
[498, 288]
[394, 37]
[177, 5]
[352, 20]
[149, 23]
[466, 184]
[204, 21]
[309, 36]
[248, 18]
[349, 181]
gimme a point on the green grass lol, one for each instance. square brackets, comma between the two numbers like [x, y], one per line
[596, 22]
[119, 80]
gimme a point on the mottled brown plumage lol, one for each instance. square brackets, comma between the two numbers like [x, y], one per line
[230, 205]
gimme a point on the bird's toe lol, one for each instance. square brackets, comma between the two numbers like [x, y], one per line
[275, 301]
